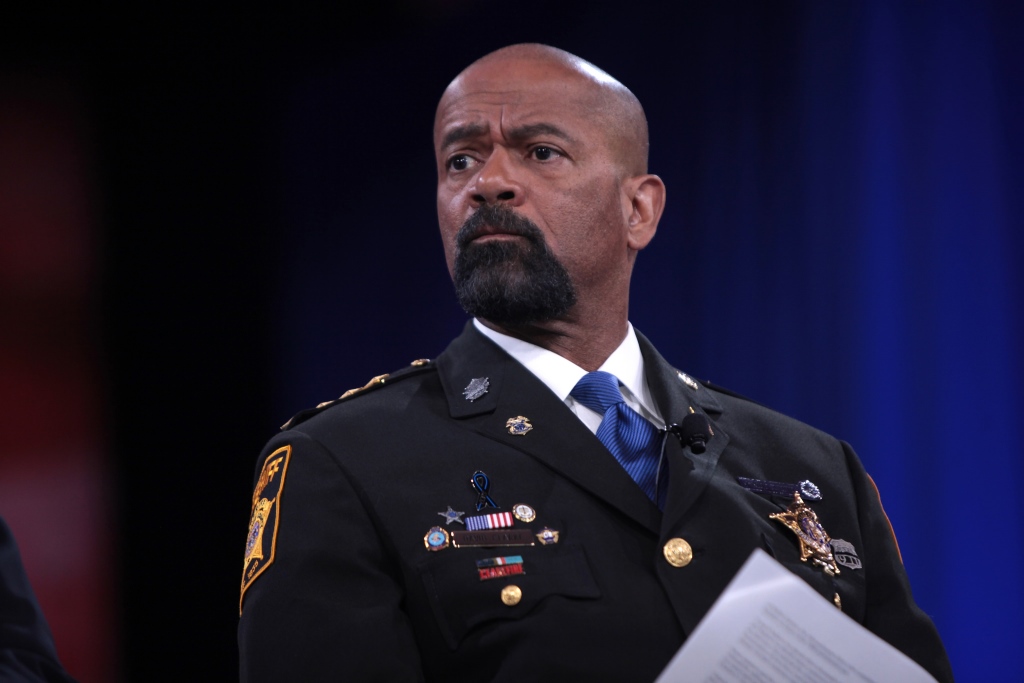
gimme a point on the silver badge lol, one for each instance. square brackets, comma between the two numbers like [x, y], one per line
[476, 388]
[845, 553]
[451, 515]
[687, 380]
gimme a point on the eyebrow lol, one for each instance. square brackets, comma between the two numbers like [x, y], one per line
[472, 130]
[460, 133]
[537, 129]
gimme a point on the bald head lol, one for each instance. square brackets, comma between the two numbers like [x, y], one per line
[594, 92]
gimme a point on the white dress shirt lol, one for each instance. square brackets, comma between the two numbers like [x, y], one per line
[561, 375]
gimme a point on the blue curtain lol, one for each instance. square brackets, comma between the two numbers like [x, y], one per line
[842, 242]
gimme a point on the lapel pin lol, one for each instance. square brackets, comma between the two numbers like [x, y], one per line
[547, 536]
[436, 539]
[476, 388]
[524, 513]
[451, 515]
[519, 425]
[688, 381]
[482, 485]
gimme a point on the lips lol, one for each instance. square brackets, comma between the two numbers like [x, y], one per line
[489, 235]
[496, 223]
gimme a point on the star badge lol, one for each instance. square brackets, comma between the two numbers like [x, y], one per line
[451, 515]
[814, 542]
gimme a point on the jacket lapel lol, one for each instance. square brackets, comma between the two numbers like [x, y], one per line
[558, 439]
[689, 474]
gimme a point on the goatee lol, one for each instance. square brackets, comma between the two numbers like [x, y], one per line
[509, 282]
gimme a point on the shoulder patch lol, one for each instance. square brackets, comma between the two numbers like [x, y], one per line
[414, 368]
[886, 515]
[266, 512]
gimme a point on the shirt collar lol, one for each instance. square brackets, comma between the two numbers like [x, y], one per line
[561, 375]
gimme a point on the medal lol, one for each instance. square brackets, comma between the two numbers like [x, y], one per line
[436, 539]
[814, 542]
[524, 513]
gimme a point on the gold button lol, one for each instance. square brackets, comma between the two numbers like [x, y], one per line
[511, 595]
[678, 552]
[838, 601]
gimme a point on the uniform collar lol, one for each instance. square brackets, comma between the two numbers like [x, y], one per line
[560, 375]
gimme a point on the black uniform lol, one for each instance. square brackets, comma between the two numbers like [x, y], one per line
[343, 582]
[27, 654]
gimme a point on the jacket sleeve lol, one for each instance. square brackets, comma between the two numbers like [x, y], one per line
[27, 652]
[326, 603]
[890, 610]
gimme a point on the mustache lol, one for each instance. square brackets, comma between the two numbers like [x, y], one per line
[500, 218]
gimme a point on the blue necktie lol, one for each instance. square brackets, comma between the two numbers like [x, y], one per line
[631, 438]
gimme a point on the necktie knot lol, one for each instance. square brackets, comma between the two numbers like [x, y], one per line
[598, 391]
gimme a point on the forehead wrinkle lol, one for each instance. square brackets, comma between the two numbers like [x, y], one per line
[464, 132]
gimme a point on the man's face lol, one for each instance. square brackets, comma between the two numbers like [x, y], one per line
[529, 194]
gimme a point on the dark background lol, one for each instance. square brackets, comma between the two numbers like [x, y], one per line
[842, 241]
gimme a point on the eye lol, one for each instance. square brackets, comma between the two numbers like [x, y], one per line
[542, 153]
[459, 162]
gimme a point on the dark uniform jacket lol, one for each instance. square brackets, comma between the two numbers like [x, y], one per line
[339, 583]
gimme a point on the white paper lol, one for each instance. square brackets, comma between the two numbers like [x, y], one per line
[771, 627]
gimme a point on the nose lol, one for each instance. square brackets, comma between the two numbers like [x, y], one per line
[497, 181]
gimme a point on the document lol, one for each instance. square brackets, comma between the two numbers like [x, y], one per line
[771, 627]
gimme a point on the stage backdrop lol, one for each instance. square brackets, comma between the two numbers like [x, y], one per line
[842, 241]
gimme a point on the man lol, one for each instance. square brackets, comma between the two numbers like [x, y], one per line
[506, 514]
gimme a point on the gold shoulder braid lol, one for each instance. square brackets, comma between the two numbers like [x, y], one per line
[413, 368]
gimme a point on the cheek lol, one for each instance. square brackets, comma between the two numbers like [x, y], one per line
[449, 224]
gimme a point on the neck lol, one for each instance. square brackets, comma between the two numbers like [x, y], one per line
[584, 339]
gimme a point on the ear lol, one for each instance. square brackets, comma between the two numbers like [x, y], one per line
[643, 201]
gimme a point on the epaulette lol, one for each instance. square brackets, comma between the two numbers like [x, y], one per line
[729, 392]
[414, 368]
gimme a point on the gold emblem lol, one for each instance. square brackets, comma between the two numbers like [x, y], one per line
[266, 511]
[419, 361]
[436, 539]
[814, 542]
[547, 536]
[257, 525]
[519, 425]
[678, 552]
[524, 513]
[511, 595]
